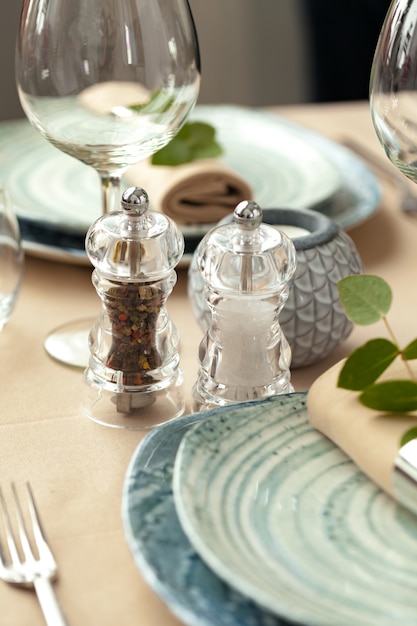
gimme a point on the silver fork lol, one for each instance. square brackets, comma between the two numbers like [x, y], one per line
[27, 564]
[408, 200]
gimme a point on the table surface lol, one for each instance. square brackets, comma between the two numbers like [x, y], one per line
[77, 467]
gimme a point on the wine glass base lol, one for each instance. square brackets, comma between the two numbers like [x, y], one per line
[130, 410]
[68, 343]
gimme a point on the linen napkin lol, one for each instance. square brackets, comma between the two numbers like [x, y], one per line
[201, 192]
[370, 438]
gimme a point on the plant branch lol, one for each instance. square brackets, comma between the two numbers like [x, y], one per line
[394, 339]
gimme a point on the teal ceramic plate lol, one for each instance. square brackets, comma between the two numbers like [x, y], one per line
[56, 197]
[284, 517]
[281, 165]
[162, 551]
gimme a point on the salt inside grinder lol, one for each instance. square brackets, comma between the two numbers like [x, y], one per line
[133, 379]
[246, 266]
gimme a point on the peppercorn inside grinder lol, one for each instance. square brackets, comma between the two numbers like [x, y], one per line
[246, 266]
[133, 379]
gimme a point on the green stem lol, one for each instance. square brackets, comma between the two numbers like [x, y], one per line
[394, 339]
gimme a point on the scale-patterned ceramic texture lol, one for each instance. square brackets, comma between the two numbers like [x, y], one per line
[286, 518]
[313, 319]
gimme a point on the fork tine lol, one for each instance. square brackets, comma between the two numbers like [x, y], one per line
[3, 557]
[31, 570]
[11, 543]
[21, 528]
[38, 531]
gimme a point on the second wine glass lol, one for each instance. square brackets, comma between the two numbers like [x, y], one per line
[393, 86]
[108, 82]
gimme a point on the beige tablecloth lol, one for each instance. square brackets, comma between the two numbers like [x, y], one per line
[76, 467]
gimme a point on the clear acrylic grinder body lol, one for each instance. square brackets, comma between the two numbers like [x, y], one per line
[133, 379]
[246, 266]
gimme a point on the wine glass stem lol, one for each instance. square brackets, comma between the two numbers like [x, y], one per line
[110, 187]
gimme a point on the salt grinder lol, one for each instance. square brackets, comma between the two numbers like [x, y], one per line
[133, 379]
[246, 266]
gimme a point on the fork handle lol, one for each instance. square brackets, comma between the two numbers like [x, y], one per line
[48, 600]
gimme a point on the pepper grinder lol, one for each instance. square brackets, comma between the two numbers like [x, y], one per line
[133, 379]
[246, 266]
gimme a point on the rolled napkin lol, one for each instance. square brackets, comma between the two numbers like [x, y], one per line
[114, 97]
[201, 192]
[370, 438]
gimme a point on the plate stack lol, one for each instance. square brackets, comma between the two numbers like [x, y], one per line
[247, 516]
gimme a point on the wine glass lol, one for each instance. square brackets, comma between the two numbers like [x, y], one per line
[393, 86]
[108, 82]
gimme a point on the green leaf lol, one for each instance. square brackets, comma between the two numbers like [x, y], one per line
[409, 436]
[159, 102]
[410, 352]
[174, 153]
[398, 396]
[195, 140]
[365, 298]
[367, 363]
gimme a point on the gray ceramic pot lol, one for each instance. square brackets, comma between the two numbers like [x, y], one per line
[313, 319]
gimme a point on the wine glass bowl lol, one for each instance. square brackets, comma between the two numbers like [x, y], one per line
[393, 86]
[108, 82]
